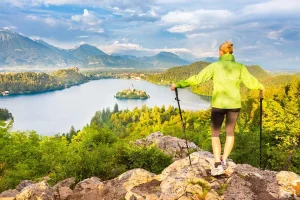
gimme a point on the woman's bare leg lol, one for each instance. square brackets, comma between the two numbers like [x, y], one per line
[217, 118]
[216, 146]
[231, 118]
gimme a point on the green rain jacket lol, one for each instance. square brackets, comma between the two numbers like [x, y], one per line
[227, 76]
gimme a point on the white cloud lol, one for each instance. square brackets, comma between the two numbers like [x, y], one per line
[83, 36]
[9, 27]
[297, 58]
[50, 21]
[117, 47]
[129, 10]
[197, 21]
[204, 18]
[47, 20]
[272, 8]
[249, 48]
[131, 6]
[181, 28]
[32, 17]
[273, 53]
[88, 21]
[274, 35]
[173, 1]
[87, 18]
[197, 35]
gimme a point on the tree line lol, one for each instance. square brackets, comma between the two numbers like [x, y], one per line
[32, 82]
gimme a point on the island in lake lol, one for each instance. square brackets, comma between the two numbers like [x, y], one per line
[132, 94]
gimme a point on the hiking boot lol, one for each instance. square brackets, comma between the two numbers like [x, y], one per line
[215, 171]
[224, 163]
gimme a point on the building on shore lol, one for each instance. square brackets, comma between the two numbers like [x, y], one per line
[5, 93]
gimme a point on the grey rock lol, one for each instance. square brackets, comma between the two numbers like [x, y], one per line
[170, 145]
[9, 193]
[64, 192]
[41, 190]
[24, 184]
[69, 182]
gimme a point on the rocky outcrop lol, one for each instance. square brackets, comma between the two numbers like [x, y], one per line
[62, 190]
[41, 190]
[23, 184]
[170, 145]
[69, 182]
[9, 194]
[184, 182]
[179, 181]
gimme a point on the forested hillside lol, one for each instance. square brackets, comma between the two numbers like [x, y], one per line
[177, 73]
[30, 82]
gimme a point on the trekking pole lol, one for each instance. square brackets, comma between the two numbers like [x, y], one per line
[183, 124]
[260, 131]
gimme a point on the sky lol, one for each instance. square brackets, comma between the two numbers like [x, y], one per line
[264, 32]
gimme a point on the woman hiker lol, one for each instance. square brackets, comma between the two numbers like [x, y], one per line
[226, 99]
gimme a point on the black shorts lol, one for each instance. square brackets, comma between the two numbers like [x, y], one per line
[217, 118]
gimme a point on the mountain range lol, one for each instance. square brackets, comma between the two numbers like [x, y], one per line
[17, 50]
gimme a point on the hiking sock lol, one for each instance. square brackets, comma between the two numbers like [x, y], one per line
[217, 164]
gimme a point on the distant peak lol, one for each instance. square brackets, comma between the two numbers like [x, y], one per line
[82, 45]
[7, 34]
[87, 45]
[4, 30]
[87, 48]
[165, 53]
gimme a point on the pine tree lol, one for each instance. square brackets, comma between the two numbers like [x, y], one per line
[116, 108]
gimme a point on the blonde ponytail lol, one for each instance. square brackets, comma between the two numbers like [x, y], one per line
[226, 47]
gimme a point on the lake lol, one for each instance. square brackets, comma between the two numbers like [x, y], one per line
[55, 112]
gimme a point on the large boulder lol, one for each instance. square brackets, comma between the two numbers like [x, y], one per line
[87, 185]
[24, 184]
[9, 194]
[64, 193]
[69, 182]
[170, 145]
[115, 189]
[289, 184]
[38, 191]
[62, 190]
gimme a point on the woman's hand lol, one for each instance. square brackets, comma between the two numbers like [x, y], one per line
[261, 94]
[173, 86]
